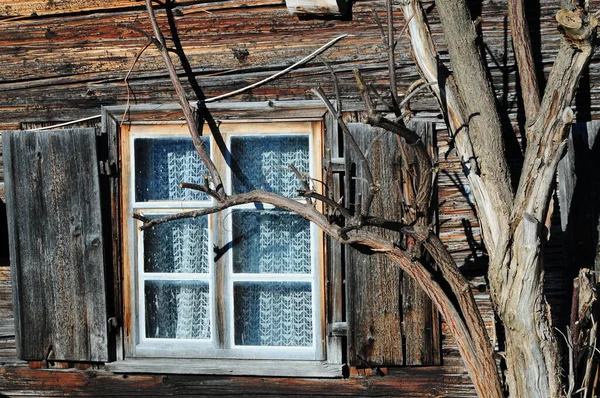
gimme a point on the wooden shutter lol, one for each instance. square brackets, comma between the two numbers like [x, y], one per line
[579, 203]
[391, 322]
[56, 246]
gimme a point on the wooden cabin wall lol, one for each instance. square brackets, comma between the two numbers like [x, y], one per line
[62, 60]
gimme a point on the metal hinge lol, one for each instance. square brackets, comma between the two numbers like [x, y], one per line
[338, 329]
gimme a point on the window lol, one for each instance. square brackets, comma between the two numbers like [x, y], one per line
[223, 294]
[243, 283]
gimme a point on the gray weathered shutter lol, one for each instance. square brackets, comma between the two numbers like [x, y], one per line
[578, 192]
[391, 322]
[56, 246]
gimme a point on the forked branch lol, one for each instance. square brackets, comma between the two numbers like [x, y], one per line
[530, 91]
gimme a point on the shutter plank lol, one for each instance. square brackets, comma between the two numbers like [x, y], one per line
[419, 316]
[372, 281]
[335, 257]
[391, 322]
[55, 230]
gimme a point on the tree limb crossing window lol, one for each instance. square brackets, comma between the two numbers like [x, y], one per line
[243, 283]
[236, 288]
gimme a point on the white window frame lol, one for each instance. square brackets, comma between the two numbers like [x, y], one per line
[219, 346]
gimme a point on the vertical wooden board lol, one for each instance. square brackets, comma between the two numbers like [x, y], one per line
[372, 281]
[578, 191]
[421, 326]
[419, 316]
[334, 259]
[111, 130]
[56, 244]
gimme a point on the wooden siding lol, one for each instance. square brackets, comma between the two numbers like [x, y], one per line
[69, 58]
[425, 382]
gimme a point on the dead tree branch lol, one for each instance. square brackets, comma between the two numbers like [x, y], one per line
[524, 56]
[372, 188]
[185, 105]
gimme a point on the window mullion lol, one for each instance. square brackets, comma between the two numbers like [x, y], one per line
[221, 277]
[221, 239]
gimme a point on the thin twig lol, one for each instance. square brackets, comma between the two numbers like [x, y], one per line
[185, 105]
[363, 89]
[413, 92]
[135, 60]
[140, 217]
[328, 201]
[569, 343]
[278, 74]
[85, 119]
[202, 188]
[380, 26]
[302, 181]
[336, 88]
[136, 29]
[403, 30]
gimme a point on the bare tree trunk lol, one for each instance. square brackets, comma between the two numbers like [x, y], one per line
[517, 277]
[513, 226]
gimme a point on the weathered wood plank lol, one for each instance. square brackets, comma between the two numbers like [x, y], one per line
[420, 319]
[58, 270]
[373, 296]
[11, 10]
[230, 367]
[95, 54]
[439, 381]
[333, 249]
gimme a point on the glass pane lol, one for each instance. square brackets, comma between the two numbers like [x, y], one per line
[273, 314]
[177, 246]
[177, 310]
[162, 163]
[263, 163]
[270, 241]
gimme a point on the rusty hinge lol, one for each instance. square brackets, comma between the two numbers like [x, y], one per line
[107, 168]
[338, 329]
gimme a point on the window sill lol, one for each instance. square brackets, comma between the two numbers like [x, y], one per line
[265, 368]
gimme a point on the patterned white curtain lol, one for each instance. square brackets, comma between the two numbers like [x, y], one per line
[271, 313]
[177, 309]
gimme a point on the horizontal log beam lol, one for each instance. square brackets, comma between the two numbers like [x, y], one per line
[441, 381]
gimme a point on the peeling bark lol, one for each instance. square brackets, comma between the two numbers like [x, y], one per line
[513, 227]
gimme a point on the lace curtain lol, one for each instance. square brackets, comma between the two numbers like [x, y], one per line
[273, 314]
[177, 309]
[161, 164]
[268, 313]
[263, 163]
